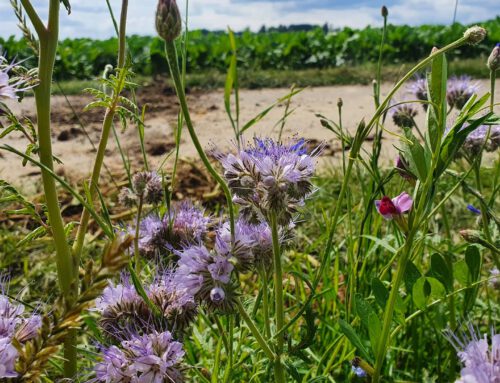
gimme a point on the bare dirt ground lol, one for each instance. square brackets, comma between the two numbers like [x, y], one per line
[72, 142]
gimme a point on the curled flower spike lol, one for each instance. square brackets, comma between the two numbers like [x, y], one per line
[476, 139]
[270, 177]
[392, 208]
[419, 89]
[403, 115]
[481, 361]
[460, 89]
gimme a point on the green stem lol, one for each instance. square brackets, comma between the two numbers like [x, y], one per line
[279, 372]
[255, 331]
[493, 75]
[173, 64]
[137, 255]
[103, 142]
[34, 18]
[265, 302]
[384, 338]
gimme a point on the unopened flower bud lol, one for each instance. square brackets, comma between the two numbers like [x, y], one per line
[340, 102]
[384, 11]
[475, 34]
[168, 20]
[127, 197]
[217, 295]
[494, 59]
[434, 50]
[471, 236]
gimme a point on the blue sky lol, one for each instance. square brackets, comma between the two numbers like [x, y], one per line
[90, 17]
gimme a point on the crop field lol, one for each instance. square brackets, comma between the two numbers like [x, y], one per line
[299, 204]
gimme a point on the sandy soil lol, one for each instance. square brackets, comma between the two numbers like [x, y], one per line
[74, 148]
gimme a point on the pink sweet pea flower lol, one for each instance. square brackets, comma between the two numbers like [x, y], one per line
[393, 208]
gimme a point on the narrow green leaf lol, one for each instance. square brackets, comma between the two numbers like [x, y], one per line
[380, 292]
[350, 333]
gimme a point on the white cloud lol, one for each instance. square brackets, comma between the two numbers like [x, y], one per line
[90, 18]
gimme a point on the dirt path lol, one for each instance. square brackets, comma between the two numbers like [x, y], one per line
[73, 147]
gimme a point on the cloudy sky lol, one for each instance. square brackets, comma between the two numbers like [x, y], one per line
[90, 18]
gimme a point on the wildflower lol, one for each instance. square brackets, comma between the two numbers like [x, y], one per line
[188, 224]
[473, 209]
[392, 208]
[9, 88]
[477, 138]
[168, 20]
[494, 59]
[14, 323]
[29, 328]
[127, 197]
[176, 304]
[8, 357]
[403, 115]
[418, 88]
[495, 273]
[115, 367]
[148, 185]
[359, 372]
[474, 35]
[384, 11]
[480, 362]
[271, 177]
[242, 246]
[122, 310]
[200, 271]
[460, 90]
[155, 357]
[152, 236]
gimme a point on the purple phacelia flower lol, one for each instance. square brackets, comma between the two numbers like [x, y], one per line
[188, 223]
[217, 295]
[271, 177]
[152, 236]
[241, 249]
[481, 362]
[200, 270]
[403, 114]
[460, 90]
[473, 209]
[29, 328]
[418, 88]
[155, 357]
[476, 139]
[114, 368]
[8, 357]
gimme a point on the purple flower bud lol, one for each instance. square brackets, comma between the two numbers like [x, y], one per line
[494, 59]
[403, 115]
[217, 295]
[473, 209]
[168, 20]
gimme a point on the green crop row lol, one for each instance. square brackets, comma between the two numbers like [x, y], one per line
[85, 58]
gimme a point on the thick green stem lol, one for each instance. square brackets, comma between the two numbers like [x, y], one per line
[279, 372]
[103, 142]
[173, 64]
[384, 338]
[493, 75]
[265, 302]
[137, 255]
[255, 332]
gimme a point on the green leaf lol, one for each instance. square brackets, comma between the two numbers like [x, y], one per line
[415, 154]
[412, 274]
[441, 271]
[426, 290]
[380, 292]
[374, 330]
[437, 92]
[350, 333]
[473, 260]
[461, 272]
[363, 309]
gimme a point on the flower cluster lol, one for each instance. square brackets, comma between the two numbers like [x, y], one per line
[185, 224]
[124, 312]
[151, 358]
[460, 89]
[270, 178]
[477, 139]
[418, 88]
[146, 187]
[481, 361]
[403, 114]
[14, 325]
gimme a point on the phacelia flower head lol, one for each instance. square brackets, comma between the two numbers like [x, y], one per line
[115, 367]
[418, 88]
[460, 90]
[155, 357]
[392, 208]
[403, 115]
[242, 247]
[146, 186]
[201, 270]
[271, 177]
[10, 87]
[187, 224]
[175, 303]
[476, 139]
[152, 236]
[123, 311]
[480, 357]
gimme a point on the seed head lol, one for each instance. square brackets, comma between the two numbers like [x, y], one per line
[384, 11]
[168, 20]
[474, 35]
[494, 59]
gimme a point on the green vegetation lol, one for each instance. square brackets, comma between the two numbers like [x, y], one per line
[265, 52]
